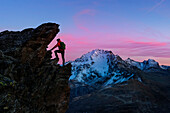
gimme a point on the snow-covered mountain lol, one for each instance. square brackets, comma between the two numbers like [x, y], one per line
[101, 67]
[165, 67]
[95, 78]
[147, 65]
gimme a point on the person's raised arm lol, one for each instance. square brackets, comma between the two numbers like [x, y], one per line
[55, 46]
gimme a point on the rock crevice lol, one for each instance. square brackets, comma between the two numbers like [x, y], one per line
[29, 80]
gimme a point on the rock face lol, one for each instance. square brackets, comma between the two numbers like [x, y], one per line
[30, 82]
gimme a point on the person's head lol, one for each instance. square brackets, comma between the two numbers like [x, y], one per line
[58, 40]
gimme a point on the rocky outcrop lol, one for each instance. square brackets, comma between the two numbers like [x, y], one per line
[30, 82]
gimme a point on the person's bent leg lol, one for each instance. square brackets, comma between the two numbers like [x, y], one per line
[57, 51]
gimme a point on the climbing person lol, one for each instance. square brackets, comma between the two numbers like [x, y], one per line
[61, 50]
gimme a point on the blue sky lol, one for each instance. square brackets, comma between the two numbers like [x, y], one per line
[138, 29]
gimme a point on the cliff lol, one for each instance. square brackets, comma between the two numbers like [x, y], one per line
[29, 80]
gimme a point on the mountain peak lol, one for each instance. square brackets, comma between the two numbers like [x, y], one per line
[100, 51]
[94, 54]
[151, 63]
[129, 59]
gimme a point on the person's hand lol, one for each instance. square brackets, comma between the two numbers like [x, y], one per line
[51, 49]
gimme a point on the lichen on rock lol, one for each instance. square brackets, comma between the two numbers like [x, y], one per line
[29, 80]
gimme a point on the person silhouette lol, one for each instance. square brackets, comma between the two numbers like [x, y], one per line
[61, 50]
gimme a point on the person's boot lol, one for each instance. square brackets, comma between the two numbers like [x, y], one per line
[63, 62]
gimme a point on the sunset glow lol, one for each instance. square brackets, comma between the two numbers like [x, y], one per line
[132, 29]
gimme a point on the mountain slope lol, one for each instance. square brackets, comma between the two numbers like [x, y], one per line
[134, 97]
[102, 82]
[100, 67]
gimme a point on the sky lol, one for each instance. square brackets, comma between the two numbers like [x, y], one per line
[136, 29]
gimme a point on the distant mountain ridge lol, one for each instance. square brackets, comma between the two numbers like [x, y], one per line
[165, 67]
[146, 64]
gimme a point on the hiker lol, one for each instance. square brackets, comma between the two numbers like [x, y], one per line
[61, 50]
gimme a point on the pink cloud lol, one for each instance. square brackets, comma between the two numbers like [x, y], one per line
[155, 49]
[154, 33]
[147, 43]
[78, 18]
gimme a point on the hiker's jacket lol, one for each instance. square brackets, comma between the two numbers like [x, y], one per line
[58, 45]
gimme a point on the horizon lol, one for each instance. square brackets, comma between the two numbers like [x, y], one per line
[53, 56]
[132, 29]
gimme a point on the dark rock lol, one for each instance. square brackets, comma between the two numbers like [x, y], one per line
[135, 97]
[30, 82]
